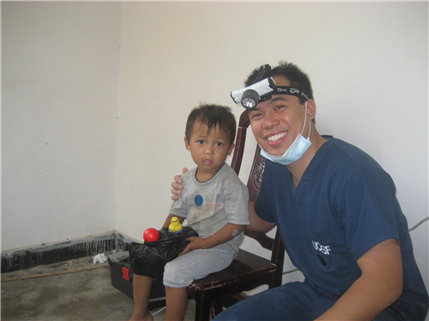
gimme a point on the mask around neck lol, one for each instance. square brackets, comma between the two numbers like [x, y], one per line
[295, 151]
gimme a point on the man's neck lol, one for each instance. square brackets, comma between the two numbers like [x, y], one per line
[298, 168]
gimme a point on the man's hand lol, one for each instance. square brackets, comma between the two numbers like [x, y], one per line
[196, 243]
[177, 185]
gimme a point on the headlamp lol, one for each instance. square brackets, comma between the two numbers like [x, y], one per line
[263, 90]
[250, 96]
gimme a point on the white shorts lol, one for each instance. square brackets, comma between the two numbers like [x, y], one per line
[194, 265]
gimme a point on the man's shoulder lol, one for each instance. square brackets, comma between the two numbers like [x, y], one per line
[343, 162]
[341, 152]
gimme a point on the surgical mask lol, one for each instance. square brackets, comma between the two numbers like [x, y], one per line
[295, 151]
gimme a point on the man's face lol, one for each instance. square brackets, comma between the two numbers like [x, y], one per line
[277, 122]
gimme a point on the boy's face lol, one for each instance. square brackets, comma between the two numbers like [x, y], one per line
[208, 150]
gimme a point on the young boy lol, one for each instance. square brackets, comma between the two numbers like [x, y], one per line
[214, 203]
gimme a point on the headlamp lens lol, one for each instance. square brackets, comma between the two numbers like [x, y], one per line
[248, 103]
[250, 98]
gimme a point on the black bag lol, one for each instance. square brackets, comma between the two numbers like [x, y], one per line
[150, 258]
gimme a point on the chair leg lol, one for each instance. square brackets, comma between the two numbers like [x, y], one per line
[202, 307]
[217, 308]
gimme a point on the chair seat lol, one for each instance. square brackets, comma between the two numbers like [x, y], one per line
[244, 272]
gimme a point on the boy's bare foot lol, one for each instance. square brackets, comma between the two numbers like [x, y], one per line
[141, 317]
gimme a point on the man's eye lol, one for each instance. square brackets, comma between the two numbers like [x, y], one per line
[256, 115]
[280, 107]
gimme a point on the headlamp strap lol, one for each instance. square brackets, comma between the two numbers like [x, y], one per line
[285, 90]
[262, 72]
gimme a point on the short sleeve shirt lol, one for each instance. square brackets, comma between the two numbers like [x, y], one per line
[210, 205]
[344, 205]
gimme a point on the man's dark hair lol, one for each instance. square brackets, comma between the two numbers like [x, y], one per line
[212, 115]
[297, 78]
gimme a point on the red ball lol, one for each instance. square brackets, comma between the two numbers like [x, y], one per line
[151, 235]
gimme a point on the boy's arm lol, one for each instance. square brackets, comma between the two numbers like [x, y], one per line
[377, 288]
[226, 233]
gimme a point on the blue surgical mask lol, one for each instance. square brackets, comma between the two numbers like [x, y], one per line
[295, 151]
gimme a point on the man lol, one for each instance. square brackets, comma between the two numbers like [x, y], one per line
[336, 210]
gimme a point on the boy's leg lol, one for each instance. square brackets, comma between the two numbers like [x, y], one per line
[141, 293]
[195, 265]
[177, 299]
[180, 272]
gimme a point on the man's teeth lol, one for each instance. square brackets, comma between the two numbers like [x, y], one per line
[276, 137]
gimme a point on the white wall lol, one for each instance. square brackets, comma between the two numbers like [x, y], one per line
[60, 69]
[60, 61]
[367, 62]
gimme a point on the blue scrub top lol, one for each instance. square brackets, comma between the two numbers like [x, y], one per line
[344, 205]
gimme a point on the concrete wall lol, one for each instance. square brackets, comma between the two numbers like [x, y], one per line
[62, 71]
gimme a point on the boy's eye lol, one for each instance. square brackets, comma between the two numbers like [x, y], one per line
[200, 141]
[219, 144]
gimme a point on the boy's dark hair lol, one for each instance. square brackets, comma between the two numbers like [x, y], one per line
[212, 115]
[297, 78]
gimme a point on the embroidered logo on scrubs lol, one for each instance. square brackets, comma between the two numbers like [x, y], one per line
[325, 249]
[198, 200]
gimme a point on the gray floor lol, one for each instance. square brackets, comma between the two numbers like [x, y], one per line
[77, 291]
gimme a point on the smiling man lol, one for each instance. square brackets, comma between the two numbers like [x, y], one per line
[336, 210]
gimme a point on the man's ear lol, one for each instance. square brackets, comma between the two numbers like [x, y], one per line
[231, 148]
[187, 143]
[311, 109]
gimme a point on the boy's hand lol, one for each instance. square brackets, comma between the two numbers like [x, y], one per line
[226, 233]
[195, 244]
[177, 185]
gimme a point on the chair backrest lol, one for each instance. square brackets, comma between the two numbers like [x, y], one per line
[254, 184]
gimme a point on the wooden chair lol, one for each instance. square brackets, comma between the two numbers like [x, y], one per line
[248, 270]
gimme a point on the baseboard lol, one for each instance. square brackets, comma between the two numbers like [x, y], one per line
[55, 253]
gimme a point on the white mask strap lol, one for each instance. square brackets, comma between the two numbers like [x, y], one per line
[305, 121]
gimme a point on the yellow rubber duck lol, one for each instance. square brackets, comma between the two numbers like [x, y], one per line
[175, 226]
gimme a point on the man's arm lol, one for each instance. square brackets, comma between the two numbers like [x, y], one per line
[256, 223]
[226, 233]
[377, 288]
